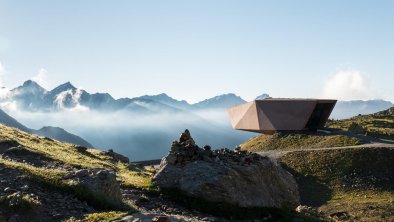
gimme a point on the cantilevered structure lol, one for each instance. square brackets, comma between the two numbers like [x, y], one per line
[270, 115]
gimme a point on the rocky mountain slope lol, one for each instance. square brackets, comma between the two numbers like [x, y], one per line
[47, 131]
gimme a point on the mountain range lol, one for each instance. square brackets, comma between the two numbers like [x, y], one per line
[138, 127]
[32, 97]
[56, 133]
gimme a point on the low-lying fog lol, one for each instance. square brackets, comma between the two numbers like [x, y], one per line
[140, 136]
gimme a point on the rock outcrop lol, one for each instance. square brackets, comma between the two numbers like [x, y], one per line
[99, 181]
[236, 177]
[117, 157]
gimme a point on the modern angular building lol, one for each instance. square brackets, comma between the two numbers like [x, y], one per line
[271, 115]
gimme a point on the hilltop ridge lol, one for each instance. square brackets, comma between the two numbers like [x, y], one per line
[48, 131]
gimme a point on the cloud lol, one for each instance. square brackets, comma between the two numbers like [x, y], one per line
[41, 78]
[9, 106]
[347, 85]
[70, 100]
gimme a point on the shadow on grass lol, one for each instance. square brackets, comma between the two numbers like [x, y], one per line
[21, 154]
[312, 192]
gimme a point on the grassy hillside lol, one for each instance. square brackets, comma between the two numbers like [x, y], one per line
[291, 141]
[379, 125]
[62, 135]
[355, 184]
[44, 163]
[68, 155]
[342, 184]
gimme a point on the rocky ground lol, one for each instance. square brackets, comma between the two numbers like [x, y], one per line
[51, 205]
[154, 204]
[44, 180]
[27, 193]
[20, 194]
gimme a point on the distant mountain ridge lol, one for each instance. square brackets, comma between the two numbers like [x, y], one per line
[220, 102]
[139, 127]
[7, 120]
[32, 97]
[56, 133]
[347, 109]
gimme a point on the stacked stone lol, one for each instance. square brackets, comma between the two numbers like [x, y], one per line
[183, 150]
[226, 176]
[186, 150]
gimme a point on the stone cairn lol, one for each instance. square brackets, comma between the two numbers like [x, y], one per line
[185, 150]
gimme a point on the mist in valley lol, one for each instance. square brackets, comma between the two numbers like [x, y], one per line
[138, 135]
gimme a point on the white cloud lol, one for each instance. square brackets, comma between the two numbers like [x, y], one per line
[347, 85]
[9, 106]
[74, 96]
[41, 78]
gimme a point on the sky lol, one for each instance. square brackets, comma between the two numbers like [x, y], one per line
[194, 50]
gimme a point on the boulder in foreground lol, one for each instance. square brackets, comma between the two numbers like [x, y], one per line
[236, 177]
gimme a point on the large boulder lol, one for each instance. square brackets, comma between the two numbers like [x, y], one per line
[236, 177]
[101, 182]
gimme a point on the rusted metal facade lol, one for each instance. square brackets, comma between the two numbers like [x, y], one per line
[270, 115]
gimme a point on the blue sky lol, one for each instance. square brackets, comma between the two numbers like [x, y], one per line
[198, 49]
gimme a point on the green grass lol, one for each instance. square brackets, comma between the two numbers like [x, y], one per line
[104, 216]
[62, 152]
[291, 141]
[135, 179]
[379, 125]
[19, 202]
[335, 168]
[107, 216]
[355, 180]
[68, 155]
[53, 179]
